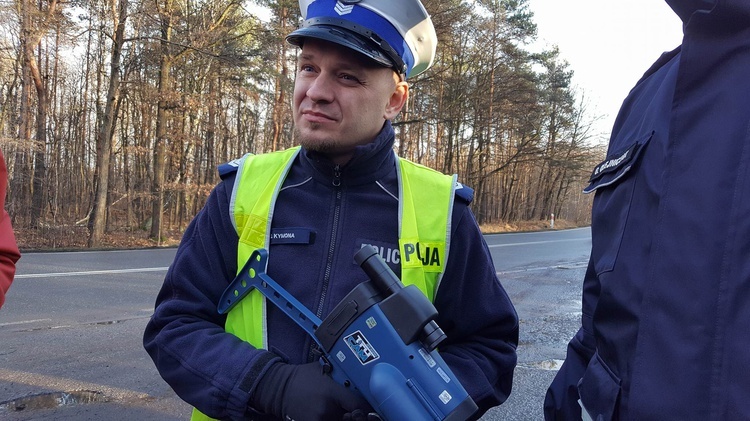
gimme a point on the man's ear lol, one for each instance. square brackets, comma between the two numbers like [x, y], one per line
[397, 100]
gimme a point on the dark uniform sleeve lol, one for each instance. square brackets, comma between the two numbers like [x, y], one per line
[561, 402]
[477, 316]
[207, 367]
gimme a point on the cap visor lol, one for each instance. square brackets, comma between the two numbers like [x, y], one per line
[341, 37]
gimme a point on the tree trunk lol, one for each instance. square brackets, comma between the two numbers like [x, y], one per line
[32, 38]
[20, 189]
[160, 148]
[280, 102]
[40, 140]
[98, 219]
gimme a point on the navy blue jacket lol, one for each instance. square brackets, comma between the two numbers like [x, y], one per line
[666, 296]
[216, 372]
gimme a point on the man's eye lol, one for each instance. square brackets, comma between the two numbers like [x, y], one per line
[349, 78]
[306, 68]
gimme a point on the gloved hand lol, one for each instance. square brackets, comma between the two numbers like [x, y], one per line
[305, 393]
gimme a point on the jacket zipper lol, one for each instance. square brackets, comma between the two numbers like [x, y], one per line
[331, 249]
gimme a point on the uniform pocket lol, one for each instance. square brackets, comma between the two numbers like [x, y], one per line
[613, 181]
[599, 390]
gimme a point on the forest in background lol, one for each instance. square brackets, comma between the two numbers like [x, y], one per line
[115, 113]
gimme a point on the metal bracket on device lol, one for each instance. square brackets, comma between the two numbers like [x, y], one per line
[253, 276]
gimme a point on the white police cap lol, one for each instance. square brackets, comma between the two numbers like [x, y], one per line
[393, 33]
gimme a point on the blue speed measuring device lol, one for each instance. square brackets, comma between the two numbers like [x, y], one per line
[380, 340]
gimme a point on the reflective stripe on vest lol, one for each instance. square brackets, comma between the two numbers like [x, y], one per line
[425, 207]
[251, 210]
[256, 186]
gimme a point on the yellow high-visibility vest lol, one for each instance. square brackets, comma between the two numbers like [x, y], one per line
[425, 207]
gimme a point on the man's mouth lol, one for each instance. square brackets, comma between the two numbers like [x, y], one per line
[317, 117]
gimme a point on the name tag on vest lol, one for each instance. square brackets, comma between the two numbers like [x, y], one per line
[291, 236]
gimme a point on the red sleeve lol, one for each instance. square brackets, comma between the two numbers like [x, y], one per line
[9, 253]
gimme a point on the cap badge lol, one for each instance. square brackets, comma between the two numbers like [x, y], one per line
[343, 9]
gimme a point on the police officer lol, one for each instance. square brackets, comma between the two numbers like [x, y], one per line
[313, 207]
[664, 332]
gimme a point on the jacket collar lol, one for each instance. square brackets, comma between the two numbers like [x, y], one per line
[686, 8]
[370, 162]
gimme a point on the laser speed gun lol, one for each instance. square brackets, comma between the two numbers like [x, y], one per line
[380, 340]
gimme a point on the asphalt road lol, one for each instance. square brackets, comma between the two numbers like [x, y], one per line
[70, 331]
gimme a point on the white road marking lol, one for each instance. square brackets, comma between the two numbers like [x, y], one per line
[61, 383]
[538, 242]
[574, 265]
[24, 322]
[89, 272]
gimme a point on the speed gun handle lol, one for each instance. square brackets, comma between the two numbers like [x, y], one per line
[410, 312]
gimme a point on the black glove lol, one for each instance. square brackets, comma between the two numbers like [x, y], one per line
[305, 393]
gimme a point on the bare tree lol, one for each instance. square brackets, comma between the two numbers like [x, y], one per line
[97, 220]
[35, 25]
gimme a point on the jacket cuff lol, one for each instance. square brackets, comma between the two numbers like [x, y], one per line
[254, 374]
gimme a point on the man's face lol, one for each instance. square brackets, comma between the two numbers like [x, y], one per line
[341, 99]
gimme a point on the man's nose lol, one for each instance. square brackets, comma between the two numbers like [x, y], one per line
[321, 88]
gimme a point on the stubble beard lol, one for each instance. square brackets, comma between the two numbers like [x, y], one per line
[308, 142]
